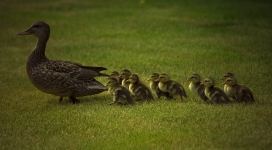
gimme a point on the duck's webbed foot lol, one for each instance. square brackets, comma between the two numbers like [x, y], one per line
[73, 100]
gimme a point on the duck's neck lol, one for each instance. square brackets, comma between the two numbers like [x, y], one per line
[39, 50]
[37, 55]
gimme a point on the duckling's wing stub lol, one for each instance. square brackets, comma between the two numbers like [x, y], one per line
[123, 92]
[244, 95]
[180, 90]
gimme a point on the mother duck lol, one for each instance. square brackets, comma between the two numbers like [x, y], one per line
[57, 77]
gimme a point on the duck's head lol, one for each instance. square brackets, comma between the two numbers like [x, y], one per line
[208, 82]
[154, 77]
[114, 74]
[227, 75]
[194, 78]
[230, 81]
[125, 74]
[112, 81]
[38, 29]
[133, 78]
[163, 77]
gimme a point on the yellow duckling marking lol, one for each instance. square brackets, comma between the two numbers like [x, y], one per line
[138, 89]
[154, 86]
[196, 86]
[237, 92]
[120, 94]
[117, 76]
[224, 77]
[173, 87]
[215, 94]
[125, 74]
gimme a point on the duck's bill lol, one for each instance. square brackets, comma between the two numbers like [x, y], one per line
[23, 33]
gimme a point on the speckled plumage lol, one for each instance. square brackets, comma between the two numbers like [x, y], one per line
[139, 90]
[215, 94]
[57, 77]
[120, 94]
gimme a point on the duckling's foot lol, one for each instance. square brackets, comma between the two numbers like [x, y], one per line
[73, 100]
[60, 99]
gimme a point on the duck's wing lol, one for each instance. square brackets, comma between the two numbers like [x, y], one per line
[74, 70]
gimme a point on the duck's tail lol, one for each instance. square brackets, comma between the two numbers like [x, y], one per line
[97, 69]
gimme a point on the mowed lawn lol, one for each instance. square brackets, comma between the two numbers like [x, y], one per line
[177, 37]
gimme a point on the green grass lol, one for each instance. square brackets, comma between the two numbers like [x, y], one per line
[177, 37]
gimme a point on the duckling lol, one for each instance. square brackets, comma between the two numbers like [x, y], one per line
[138, 89]
[196, 87]
[57, 77]
[215, 94]
[154, 86]
[170, 86]
[125, 74]
[120, 94]
[227, 75]
[238, 92]
[117, 76]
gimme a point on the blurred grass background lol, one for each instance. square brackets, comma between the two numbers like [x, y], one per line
[209, 37]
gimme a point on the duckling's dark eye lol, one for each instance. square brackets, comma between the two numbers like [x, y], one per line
[36, 25]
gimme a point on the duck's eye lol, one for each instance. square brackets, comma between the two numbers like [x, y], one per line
[36, 25]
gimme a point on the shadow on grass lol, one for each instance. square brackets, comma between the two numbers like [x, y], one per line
[93, 99]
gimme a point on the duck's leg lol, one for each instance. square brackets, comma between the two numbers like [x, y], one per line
[73, 100]
[60, 99]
